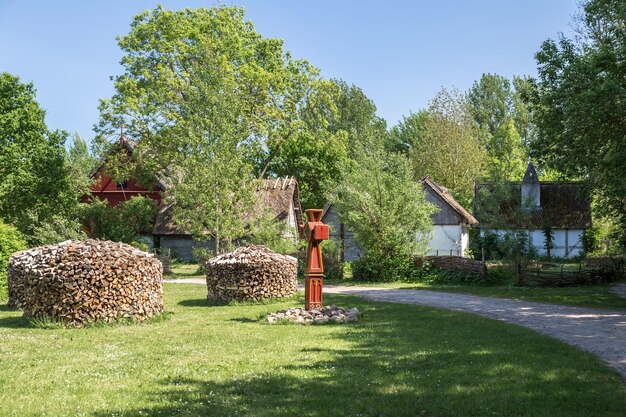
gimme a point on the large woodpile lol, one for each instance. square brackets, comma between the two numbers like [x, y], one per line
[453, 263]
[81, 281]
[251, 273]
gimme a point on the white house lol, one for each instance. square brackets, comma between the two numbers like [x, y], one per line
[451, 225]
[451, 222]
[535, 206]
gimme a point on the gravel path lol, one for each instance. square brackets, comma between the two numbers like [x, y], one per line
[601, 332]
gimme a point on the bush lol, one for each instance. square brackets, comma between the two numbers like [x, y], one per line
[11, 241]
[125, 222]
[201, 255]
[266, 230]
[331, 257]
[143, 246]
[386, 270]
[58, 229]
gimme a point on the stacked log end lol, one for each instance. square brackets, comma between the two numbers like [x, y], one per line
[82, 281]
[251, 273]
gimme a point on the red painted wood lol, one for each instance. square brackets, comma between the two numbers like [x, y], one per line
[315, 233]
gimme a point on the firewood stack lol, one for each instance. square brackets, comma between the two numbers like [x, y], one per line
[251, 273]
[81, 281]
[453, 263]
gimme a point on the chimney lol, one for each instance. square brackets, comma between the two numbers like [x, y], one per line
[531, 191]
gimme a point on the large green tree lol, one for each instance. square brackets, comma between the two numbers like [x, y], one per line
[449, 150]
[504, 124]
[385, 207]
[409, 132]
[580, 102]
[283, 104]
[35, 189]
[356, 115]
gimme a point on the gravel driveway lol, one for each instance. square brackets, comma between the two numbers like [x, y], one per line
[601, 332]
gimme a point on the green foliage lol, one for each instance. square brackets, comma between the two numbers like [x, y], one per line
[143, 246]
[34, 178]
[385, 208]
[604, 237]
[375, 269]
[81, 165]
[11, 241]
[449, 150]
[548, 235]
[356, 115]
[409, 133]
[331, 253]
[504, 123]
[201, 255]
[511, 246]
[125, 222]
[275, 234]
[55, 230]
[200, 76]
[579, 103]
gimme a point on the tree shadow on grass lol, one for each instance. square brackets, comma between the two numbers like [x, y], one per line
[196, 302]
[15, 322]
[245, 320]
[403, 361]
[6, 307]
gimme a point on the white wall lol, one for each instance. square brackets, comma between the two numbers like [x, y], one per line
[567, 243]
[448, 240]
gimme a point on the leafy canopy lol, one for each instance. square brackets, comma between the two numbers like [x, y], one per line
[504, 124]
[283, 106]
[580, 100]
[383, 205]
[35, 184]
[449, 150]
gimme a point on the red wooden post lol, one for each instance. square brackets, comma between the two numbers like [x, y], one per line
[315, 232]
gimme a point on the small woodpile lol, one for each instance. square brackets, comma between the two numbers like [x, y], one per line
[453, 263]
[251, 273]
[81, 281]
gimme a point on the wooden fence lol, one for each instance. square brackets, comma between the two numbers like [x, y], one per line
[564, 276]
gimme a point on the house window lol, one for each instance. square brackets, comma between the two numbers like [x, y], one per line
[121, 185]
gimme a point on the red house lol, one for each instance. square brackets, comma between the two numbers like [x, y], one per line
[117, 192]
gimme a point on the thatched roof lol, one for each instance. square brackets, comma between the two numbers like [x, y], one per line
[446, 197]
[563, 205]
[280, 195]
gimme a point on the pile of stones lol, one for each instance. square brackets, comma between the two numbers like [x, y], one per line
[331, 314]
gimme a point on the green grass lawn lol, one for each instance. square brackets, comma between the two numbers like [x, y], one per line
[208, 360]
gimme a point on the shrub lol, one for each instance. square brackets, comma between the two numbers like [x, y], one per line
[143, 246]
[385, 270]
[125, 222]
[11, 240]
[201, 255]
[58, 229]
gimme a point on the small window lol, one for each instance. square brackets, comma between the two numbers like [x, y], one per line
[121, 185]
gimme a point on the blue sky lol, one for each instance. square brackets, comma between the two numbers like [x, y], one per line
[399, 52]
